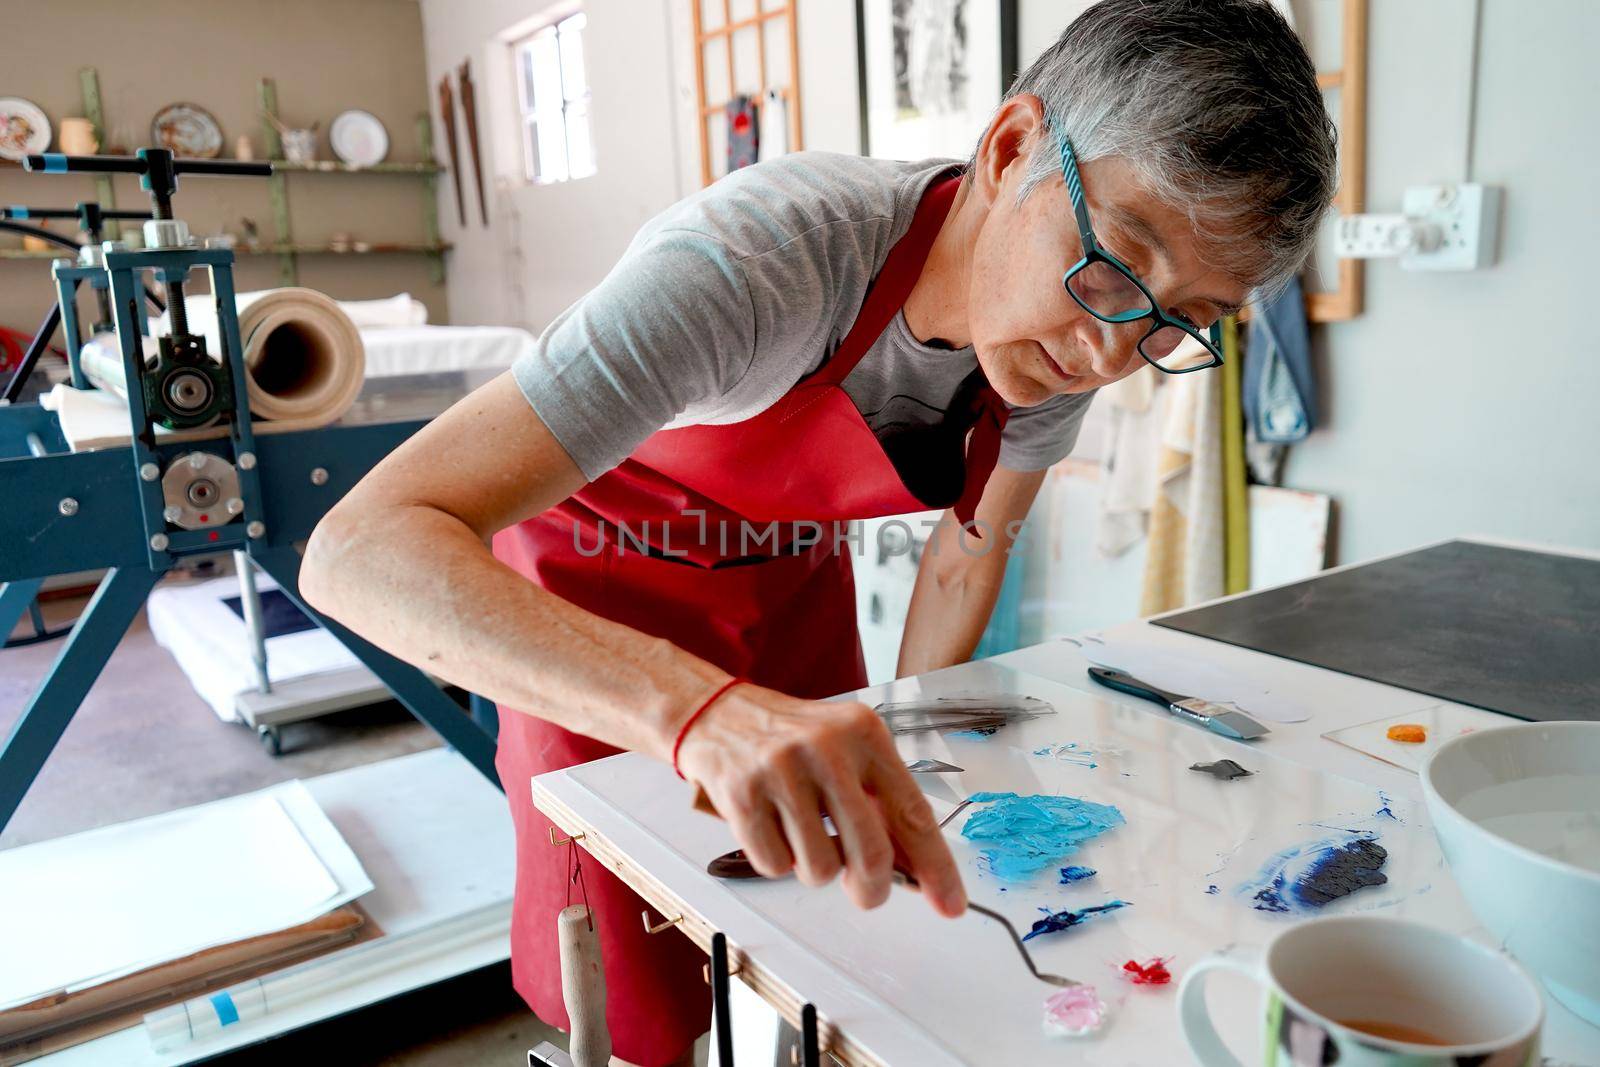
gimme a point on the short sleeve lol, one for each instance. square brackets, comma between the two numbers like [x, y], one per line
[670, 326]
[1041, 436]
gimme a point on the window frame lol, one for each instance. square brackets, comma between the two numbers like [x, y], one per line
[532, 115]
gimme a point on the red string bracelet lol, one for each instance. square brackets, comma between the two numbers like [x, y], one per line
[701, 710]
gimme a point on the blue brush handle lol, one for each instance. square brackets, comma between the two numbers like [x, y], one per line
[1123, 682]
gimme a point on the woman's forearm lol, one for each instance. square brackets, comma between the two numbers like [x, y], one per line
[959, 578]
[421, 585]
[950, 604]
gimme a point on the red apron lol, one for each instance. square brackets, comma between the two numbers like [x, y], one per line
[686, 492]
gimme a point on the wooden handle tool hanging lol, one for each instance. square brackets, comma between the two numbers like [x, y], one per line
[469, 108]
[583, 987]
[447, 111]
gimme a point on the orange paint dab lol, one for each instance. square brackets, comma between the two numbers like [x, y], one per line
[1410, 733]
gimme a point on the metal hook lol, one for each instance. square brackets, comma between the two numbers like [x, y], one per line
[559, 841]
[734, 967]
[658, 927]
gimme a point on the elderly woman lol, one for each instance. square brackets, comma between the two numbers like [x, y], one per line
[813, 340]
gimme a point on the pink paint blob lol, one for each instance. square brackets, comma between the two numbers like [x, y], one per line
[1150, 972]
[1074, 1012]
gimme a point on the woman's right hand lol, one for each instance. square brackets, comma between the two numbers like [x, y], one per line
[774, 766]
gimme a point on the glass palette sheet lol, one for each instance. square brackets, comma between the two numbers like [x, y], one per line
[1199, 862]
[1439, 723]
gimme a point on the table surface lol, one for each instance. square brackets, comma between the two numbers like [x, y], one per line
[899, 986]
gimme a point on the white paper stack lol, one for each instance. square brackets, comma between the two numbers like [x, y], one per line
[92, 907]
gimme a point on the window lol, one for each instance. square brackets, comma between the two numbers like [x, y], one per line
[553, 97]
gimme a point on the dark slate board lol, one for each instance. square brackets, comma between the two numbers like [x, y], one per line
[1505, 629]
[279, 615]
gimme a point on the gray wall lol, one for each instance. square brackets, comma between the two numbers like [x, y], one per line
[1471, 402]
[547, 245]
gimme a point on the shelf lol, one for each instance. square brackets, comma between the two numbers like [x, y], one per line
[376, 249]
[268, 250]
[329, 166]
[324, 166]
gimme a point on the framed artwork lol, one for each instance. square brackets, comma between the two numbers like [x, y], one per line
[931, 73]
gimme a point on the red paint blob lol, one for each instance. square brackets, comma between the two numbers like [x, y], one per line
[212, 536]
[1151, 972]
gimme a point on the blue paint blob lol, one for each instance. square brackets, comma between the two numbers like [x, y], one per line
[1211, 890]
[1054, 921]
[974, 735]
[1022, 835]
[1307, 876]
[1076, 874]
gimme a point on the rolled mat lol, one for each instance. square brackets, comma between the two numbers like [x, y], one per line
[304, 356]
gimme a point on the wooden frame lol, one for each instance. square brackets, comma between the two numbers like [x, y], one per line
[1009, 63]
[1343, 303]
[704, 110]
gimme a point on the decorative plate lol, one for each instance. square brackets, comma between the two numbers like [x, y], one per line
[188, 130]
[24, 130]
[358, 138]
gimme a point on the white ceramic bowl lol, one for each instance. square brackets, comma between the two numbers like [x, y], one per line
[1517, 811]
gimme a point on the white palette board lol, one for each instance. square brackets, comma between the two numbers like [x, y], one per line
[435, 837]
[95, 906]
[909, 988]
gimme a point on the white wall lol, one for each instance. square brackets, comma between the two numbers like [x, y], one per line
[1471, 402]
[1456, 403]
[546, 245]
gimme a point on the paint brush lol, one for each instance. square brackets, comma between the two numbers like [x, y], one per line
[1219, 720]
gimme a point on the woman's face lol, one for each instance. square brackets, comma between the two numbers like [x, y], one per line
[1032, 339]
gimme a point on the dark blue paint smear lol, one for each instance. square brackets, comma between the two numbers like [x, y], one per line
[1308, 876]
[1076, 874]
[1387, 811]
[982, 733]
[1211, 890]
[1061, 920]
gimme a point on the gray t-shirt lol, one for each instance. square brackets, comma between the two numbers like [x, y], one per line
[727, 299]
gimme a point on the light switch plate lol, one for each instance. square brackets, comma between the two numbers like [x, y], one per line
[1467, 219]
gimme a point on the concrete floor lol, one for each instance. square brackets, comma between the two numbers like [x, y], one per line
[144, 743]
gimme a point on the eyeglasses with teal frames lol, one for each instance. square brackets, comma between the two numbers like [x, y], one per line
[1103, 286]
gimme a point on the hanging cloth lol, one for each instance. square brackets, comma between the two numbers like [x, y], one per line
[1184, 563]
[744, 132]
[774, 136]
[1280, 398]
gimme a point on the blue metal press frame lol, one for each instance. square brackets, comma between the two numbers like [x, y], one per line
[68, 511]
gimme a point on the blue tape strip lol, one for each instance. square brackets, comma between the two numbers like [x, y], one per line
[55, 163]
[222, 1004]
[18, 211]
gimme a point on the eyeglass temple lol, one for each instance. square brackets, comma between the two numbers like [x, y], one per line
[1080, 206]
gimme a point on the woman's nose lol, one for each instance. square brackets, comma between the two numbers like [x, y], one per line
[1114, 346]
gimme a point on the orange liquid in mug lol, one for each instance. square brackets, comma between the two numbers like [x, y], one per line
[1394, 1031]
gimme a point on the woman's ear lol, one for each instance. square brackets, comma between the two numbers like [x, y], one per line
[1012, 133]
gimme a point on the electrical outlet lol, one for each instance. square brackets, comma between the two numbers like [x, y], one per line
[1382, 236]
[1467, 218]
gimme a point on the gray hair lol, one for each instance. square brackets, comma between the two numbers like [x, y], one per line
[1215, 105]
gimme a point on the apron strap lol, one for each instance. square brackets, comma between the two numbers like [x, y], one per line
[983, 451]
[894, 282]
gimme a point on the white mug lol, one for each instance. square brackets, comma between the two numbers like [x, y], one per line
[1364, 991]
